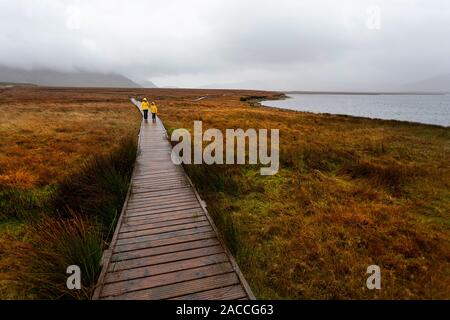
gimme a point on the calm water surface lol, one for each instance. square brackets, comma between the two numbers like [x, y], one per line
[429, 109]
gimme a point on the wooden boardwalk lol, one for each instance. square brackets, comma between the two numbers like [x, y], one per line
[165, 245]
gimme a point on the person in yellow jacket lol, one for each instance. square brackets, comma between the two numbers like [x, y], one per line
[145, 106]
[154, 110]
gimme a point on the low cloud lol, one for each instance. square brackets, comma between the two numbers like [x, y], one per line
[267, 44]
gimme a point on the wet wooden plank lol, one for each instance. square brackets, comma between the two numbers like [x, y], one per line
[146, 212]
[161, 236]
[156, 180]
[178, 227]
[234, 292]
[164, 205]
[131, 221]
[165, 195]
[147, 252]
[180, 289]
[164, 242]
[135, 204]
[166, 185]
[160, 199]
[164, 223]
[152, 281]
[140, 191]
[165, 245]
[154, 251]
[168, 257]
[164, 268]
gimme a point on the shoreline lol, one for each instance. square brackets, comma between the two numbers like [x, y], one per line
[284, 96]
[371, 93]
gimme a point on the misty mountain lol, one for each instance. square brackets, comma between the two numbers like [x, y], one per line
[439, 83]
[147, 84]
[47, 77]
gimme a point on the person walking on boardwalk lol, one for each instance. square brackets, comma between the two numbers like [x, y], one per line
[144, 106]
[154, 110]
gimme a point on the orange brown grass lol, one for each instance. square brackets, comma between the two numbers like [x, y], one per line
[351, 192]
[46, 140]
[47, 135]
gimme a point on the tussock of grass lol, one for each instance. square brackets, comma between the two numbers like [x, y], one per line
[24, 204]
[324, 158]
[391, 174]
[214, 178]
[53, 245]
[99, 188]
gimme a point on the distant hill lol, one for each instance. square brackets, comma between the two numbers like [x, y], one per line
[147, 84]
[439, 83]
[47, 77]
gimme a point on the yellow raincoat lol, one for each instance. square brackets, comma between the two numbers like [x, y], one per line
[154, 108]
[144, 105]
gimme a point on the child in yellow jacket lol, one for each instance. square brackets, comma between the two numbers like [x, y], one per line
[154, 110]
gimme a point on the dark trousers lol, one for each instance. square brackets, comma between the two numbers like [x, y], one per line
[145, 114]
[154, 116]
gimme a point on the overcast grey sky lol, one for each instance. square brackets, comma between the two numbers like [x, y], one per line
[282, 44]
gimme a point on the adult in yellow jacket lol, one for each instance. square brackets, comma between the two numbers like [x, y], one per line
[145, 106]
[154, 110]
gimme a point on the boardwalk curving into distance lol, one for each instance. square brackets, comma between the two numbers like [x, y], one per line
[165, 245]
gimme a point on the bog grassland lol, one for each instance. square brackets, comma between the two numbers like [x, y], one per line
[350, 192]
[65, 162]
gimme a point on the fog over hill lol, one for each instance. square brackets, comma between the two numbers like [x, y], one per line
[436, 84]
[47, 77]
[147, 84]
[352, 45]
[440, 83]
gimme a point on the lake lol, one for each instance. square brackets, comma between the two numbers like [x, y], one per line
[428, 109]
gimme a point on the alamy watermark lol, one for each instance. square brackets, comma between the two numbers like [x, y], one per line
[374, 280]
[74, 280]
[235, 149]
[373, 17]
